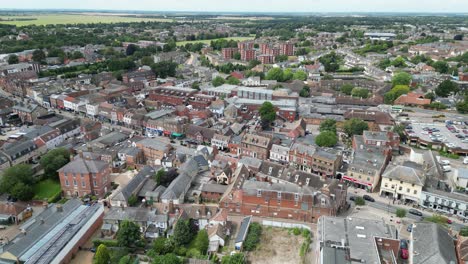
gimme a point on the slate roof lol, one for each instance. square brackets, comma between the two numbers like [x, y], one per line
[243, 229]
[216, 188]
[135, 184]
[84, 166]
[405, 174]
[18, 149]
[138, 214]
[432, 244]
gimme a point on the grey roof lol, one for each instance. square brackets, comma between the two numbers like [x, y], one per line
[154, 144]
[149, 186]
[216, 188]
[130, 151]
[357, 234]
[250, 162]
[432, 245]
[405, 174]
[243, 229]
[303, 148]
[38, 131]
[190, 168]
[18, 149]
[28, 108]
[333, 255]
[135, 184]
[178, 187]
[156, 193]
[138, 214]
[84, 166]
[201, 161]
[463, 173]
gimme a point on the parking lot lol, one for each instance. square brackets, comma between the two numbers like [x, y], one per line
[440, 135]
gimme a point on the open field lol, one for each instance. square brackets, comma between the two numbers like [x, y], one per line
[208, 41]
[277, 246]
[47, 19]
[46, 189]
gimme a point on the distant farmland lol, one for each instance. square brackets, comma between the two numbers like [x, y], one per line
[208, 41]
[47, 19]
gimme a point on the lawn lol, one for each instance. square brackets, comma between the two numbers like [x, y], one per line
[46, 189]
[208, 41]
[47, 19]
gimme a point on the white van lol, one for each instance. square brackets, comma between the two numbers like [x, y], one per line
[446, 168]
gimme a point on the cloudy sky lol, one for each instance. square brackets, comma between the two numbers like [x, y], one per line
[248, 5]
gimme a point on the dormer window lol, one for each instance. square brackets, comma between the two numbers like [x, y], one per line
[259, 193]
[307, 181]
[279, 195]
[296, 178]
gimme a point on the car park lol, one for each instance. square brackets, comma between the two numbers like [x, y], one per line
[368, 198]
[415, 212]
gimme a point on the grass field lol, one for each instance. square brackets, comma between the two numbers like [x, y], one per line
[46, 189]
[46, 19]
[208, 41]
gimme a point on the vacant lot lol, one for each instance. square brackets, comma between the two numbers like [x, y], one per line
[46, 189]
[208, 41]
[47, 19]
[277, 246]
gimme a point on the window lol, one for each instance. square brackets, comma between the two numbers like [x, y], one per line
[415, 192]
[94, 175]
[82, 175]
[83, 183]
[386, 185]
[296, 196]
[408, 190]
[259, 193]
[95, 183]
[390, 179]
[368, 178]
[400, 188]
[74, 182]
[279, 195]
[66, 183]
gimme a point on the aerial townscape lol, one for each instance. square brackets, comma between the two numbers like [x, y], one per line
[233, 133]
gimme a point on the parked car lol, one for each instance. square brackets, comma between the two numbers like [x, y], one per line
[368, 198]
[403, 244]
[409, 228]
[444, 162]
[415, 212]
[352, 198]
[465, 160]
[446, 168]
[404, 253]
[449, 221]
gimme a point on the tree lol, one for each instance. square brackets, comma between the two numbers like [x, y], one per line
[446, 88]
[355, 126]
[396, 92]
[237, 56]
[128, 234]
[401, 78]
[281, 58]
[54, 160]
[253, 237]
[38, 55]
[17, 181]
[399, 62]
[441, 66]
[13, 59]
[162, 246]
[76, 55]
[267, 113]
[102, 255]
[233, 81]
[359, 201]
[196, 85]
[347, 89]
[464, 232]
[182, 233]
[305, 91]
[147, 60]
[360, 92]
[462, 107]
[202, 241]
[22, 191]
[326, 139]
[132, 200]
[275, 74]
[300, 75]
[430, 96]
[167, 259]
[218, 81]
[164, 69]
[131, 49]
[328, 125]
[400, 212]
[237, 258]
[287, 75]
[126, 260]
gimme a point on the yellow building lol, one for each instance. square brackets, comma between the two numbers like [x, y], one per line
[402, 183]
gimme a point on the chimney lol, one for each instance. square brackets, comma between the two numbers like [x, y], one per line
[59, 208]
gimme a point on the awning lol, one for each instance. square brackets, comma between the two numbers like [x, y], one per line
[177, 134]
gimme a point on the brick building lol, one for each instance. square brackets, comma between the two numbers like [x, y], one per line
[256, 146]
[266, 59]
[246, 45]
[228, 53]
[247, 55]
[172, 95]
[83, 177]
[287, 49]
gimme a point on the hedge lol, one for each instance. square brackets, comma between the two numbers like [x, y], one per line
[107, 243]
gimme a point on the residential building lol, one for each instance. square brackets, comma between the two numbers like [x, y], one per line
[301, 156]
[287, 49]
[153, 150]
[120, 199]
[83, 177]
[228, 53]
[412, 99]
[280, 153]
[402, 183]
[326, 163]
[256, 146]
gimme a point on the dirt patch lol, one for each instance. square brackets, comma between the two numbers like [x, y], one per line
[277, 246]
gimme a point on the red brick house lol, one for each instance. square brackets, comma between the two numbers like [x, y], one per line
[83, 177]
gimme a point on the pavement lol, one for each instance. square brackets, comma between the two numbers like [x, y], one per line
[387, 206]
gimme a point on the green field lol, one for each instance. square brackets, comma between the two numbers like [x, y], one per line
[208, 41]
[46, 189]
[46, 19]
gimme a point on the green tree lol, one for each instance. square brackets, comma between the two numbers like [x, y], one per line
[464, 232]
[401, 78]
[281, 58]
[162, 246]
[102, 255]
[326, 139]
[76, 55]
[164, 69]
[347, 89]
[237, 56]
[147, 60]
[17, 181]
[22, 191]
[396, 92]
[400, 212]
[275, 74]
[196, 85]
[129, 234]
[167, 259]
[159, 175]
[237, 258]
[300, 75]
[360, 92]
[13, 59]
[38, 55]
[430, 96]
[328, 125]
[131, 49]
[202, 241]
[132, 200]
[359, 201]
[233, 81]
[267, 113]
[218, 81]
[253, 237]
[305, 91]
[126, 260]
[355, 126]
[399, 62]
[441, 66]
[445, 88]
[462, 107]
[182, 233]
[54, 160]
[287, 75]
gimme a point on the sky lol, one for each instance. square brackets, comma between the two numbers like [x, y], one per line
[435, 6]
